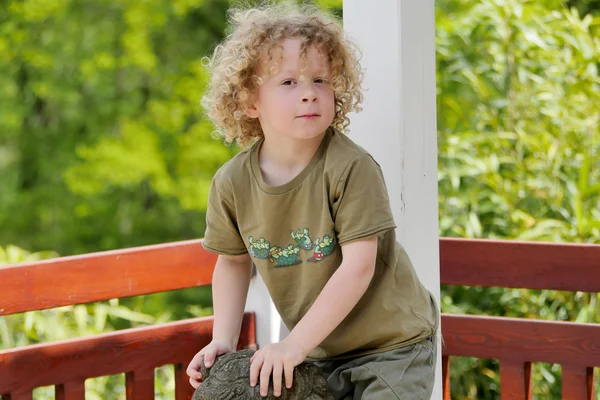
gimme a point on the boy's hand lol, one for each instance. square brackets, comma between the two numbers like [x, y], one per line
[208, 355]
[278, 359]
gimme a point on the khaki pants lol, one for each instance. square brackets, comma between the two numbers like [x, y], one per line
[406, 373]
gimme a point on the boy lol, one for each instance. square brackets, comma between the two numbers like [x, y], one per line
[310, 209]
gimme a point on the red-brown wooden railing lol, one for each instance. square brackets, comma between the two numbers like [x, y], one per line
[136, 352]
[516, 342]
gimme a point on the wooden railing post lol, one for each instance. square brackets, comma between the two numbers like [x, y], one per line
[515, 380]
[183, 388]
[21, 395]
[74, 390]
[577, 382]
[446, 378]
[139, 384]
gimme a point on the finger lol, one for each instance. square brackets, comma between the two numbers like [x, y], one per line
[191, 371]
[254, 370]
[194, 367]
[265, 375]
[209, 357]
[289, 375]
[194, 383]
[277, 372]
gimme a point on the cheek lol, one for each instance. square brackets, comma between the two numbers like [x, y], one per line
[284, 102]
[329, 97]
[327, 91]
[279, 97]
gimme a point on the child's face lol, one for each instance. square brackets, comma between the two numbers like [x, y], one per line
[293, 102]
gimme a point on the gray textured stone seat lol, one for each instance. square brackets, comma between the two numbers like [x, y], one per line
[229, 379]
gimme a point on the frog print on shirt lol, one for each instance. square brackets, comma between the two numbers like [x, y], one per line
[260, 248]
[303, 239]
[285, 257]
[291, 255]
[323, 248]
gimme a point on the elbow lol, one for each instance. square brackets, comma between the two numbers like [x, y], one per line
[362, 272]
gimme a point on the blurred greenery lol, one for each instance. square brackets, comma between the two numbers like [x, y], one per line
[103, 145]
[518, 94]
[585, 6]
[102, 140]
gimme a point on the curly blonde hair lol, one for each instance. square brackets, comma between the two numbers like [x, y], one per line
[235, 62]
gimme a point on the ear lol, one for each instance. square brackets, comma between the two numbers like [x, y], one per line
[252, 110]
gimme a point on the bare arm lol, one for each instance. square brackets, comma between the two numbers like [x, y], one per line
[231, 280]
[230, 288]
[339, 296]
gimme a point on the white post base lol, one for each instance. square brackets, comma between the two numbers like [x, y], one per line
[269, 327]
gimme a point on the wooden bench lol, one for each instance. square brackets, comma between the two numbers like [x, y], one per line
[516, 343]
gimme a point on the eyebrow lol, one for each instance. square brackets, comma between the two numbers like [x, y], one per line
[320, 72]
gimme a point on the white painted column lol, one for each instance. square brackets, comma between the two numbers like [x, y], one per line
[398, 123]
[269, 327]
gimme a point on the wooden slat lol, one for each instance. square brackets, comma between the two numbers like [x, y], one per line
[514, 264]
[21, 395]
[110, 353]
[577, 382]
[74, 390]
[139, 384]
[521, 340]
[446, 378]
[102, 276]
[515, 380]
[183, 388]
[150, 269]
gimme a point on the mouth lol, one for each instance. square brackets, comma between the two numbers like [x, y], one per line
[309, 116]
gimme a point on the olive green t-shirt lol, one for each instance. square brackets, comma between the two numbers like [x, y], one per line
[293, 233]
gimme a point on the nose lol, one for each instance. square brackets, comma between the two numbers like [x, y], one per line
[309, 98]
[309, 95]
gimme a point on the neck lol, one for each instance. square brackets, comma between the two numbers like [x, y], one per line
[281, 159]
[289, 153]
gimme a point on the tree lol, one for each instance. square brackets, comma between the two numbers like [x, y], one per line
[585, 6]
[102, 138]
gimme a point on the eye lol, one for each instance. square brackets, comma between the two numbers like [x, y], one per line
[320, 80]
[288, 82]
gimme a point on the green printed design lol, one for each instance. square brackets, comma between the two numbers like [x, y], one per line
[285, 257]
[303, 239]
[260, 248]
[323, 248]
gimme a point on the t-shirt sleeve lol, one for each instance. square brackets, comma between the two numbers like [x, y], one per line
[222, 235]
[361, 207]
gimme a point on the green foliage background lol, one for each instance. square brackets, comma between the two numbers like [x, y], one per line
[518, 95]
[103, 145]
